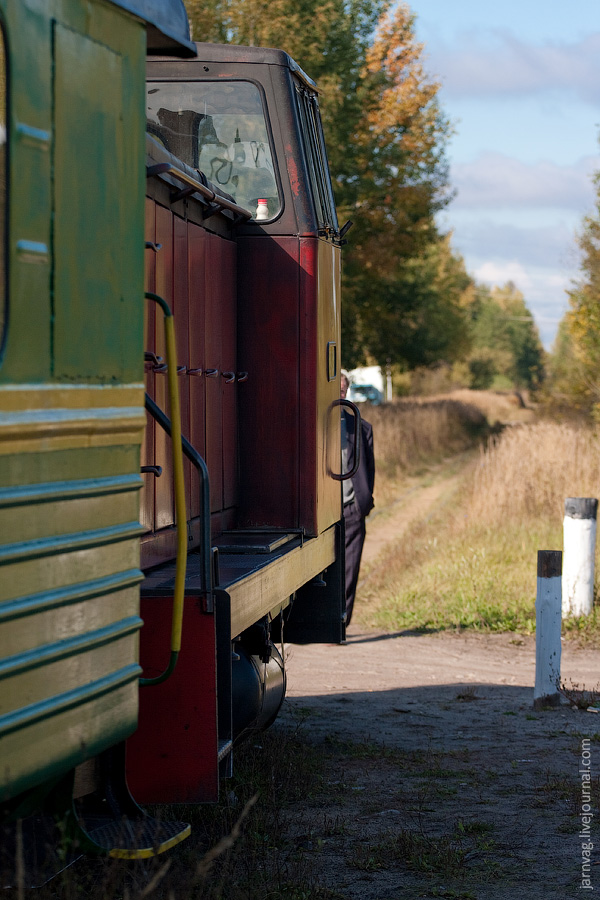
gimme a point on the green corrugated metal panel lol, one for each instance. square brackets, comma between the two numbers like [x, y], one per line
[71, 399]
[41, 467]
[77, 724]
[53, 507]
[30, 618]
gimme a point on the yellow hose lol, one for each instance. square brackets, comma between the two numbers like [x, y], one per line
[180, 511]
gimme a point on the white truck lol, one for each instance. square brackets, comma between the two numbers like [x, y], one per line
[368, 385]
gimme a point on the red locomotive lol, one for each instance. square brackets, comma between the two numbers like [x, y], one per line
[244, 245]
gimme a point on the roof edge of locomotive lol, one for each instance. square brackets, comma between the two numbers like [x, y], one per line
[168, 26]
[239, 53]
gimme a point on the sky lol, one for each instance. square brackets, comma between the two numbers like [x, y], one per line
[521, 85]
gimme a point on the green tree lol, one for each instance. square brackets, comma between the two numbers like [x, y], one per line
[505, 336]
[567, 378]
[386, 138]
[416, 315]
[393, 183]
[575, 366]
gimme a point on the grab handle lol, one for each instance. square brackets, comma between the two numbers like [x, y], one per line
[344, 476]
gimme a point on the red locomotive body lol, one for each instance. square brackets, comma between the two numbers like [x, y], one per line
[244, 246]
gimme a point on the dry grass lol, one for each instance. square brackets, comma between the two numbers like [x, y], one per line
[528, 472]
[412, 434]
[473, 563]
[497, 406]
[243, 848]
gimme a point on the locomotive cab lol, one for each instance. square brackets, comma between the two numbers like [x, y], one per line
[239, 201]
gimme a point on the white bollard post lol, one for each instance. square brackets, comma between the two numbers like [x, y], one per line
[579, 530]
[547, 629]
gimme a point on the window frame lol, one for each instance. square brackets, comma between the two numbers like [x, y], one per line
[313, 143]
[155, 79]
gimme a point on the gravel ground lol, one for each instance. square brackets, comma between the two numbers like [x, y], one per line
[441, 780]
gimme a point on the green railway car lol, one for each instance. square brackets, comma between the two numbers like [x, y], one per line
[72, 179]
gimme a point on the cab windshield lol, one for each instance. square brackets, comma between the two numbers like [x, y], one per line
[220, 129]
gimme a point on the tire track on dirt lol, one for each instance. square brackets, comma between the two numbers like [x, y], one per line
[388, 525]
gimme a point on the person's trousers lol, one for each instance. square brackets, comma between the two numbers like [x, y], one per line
[355, 538]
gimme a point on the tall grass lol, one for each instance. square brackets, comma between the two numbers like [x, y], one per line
[473, 565]
[410, 432]
[410, 435]
[498, 406]
[527, 472]
[413, 433]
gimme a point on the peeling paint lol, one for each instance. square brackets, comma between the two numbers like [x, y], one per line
[292, 171]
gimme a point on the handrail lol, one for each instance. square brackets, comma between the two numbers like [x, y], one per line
[198, 187]
[197, 461]
[180, 513]
[344, 476]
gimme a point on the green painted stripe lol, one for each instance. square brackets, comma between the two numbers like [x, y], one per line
[81, 643]
[53, 491]
[60, 416]
[65, 596]
[62, 703]
[69, 543]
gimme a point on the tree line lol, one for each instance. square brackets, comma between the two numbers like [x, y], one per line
[574, 366]
[407, 297]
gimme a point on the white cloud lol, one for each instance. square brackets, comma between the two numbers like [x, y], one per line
[540, 261]
[496, 180]
[544, 291]
[530, 281]
[475, 66]
[551, 245]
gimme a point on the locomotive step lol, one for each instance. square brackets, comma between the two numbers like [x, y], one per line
[241, 553]
[136, 838]
[252, 541]
[109, 822]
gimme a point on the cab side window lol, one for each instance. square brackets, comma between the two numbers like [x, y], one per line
[219, 128]
[316, 156]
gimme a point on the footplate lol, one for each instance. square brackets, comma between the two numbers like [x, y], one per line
[137, 838]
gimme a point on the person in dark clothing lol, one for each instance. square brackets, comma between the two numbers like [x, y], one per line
[357, 495]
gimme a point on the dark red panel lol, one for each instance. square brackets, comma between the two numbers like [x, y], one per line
[172, 757]
[213, 355]
[180, 309]
[197, 356]
[228, 387]
[269, 402]
[310, 410]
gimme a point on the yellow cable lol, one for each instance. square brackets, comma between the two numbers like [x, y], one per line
[180, 511]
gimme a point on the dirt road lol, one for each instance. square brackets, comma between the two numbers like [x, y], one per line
[443, 781]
